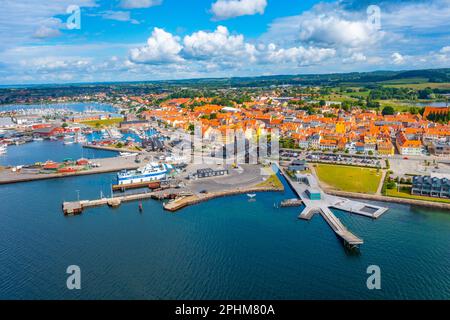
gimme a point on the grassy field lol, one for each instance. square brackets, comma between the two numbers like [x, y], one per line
[337, 97]
[419, 86]
[352, 179]
[363, 94]
[406, 193]
[405, 82]
[272, 181]
[103, 123]
[399, 106]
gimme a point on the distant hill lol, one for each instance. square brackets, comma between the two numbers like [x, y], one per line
[333, 79]
[354, 78]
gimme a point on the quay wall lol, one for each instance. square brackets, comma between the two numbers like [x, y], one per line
[372, 197]
[89, 146]
[191, 200]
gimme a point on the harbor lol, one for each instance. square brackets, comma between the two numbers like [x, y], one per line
[185, 193]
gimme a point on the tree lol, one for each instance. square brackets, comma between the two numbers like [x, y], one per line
[191, 128]
[322, 103]
[391, 185]
[425, 94]
[64, 125]
[388, 110]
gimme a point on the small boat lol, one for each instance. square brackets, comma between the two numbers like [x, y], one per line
[127, 154]
[38, 139]
[251, 195]
[81, 139]
[68, 143]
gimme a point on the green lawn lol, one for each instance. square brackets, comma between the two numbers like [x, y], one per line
[272, 182]
[419, 86]
[346, 178]
[102, 123]
[405, 192]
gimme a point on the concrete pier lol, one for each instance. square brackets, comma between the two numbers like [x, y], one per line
[322, 205]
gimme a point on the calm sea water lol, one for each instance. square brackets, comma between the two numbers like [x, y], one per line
[227, 248]
[41, 151]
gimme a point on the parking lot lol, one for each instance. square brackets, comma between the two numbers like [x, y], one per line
[367, 161]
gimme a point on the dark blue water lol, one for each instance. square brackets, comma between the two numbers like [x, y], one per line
[41, 151]
[227, 248]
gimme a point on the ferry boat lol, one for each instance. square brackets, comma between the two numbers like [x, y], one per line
[151, 172]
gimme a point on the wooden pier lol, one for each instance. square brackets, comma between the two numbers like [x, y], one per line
[77, 207]
[291, 203]
[180, 198]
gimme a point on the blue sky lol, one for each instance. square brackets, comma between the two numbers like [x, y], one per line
[134, 40]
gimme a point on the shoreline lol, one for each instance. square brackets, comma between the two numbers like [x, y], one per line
[77, 207]
[183, 202]
[373, 197]
[59, 176]
[87, 146]
[107, 165]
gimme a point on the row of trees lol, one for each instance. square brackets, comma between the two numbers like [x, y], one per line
[439, 117]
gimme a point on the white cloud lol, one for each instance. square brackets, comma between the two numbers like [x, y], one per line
[162, 47]
[49, 28]
[326, 25]
[25, 20]
[55, 63]
[336, 31]
[205, 45]
[123, 16]
[138, 4]
[220, 50]
[445, 50]
[355, 58]
[226, 9]
[300, 56]
[397, 58]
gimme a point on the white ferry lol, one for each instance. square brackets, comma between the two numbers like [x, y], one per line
[151, 172]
